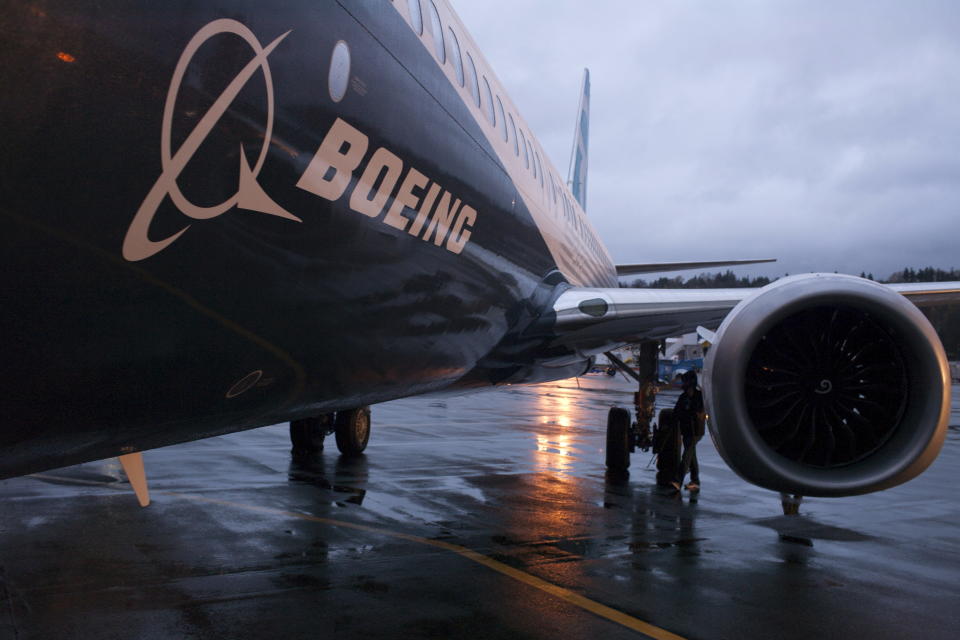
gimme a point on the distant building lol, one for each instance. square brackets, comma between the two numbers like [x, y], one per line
[686, 347]
[681, 354]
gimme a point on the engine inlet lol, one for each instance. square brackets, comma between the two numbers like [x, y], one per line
[826, 387]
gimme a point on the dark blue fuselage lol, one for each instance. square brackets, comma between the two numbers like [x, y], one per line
[246, 318]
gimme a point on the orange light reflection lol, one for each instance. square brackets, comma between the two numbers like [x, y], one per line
[66, 57]
[548, 517]
[555, 450]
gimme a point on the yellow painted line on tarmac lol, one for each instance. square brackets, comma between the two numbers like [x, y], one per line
[566, 595]
[562, 593]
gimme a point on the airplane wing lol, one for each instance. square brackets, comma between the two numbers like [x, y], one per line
[592, 320]
[661, 267]
[926, 294]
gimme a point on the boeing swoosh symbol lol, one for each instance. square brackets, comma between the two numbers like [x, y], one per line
[250, 195]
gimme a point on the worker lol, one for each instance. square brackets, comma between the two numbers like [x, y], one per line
[691, 418]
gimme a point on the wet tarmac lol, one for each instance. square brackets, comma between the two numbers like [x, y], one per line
[481, 516]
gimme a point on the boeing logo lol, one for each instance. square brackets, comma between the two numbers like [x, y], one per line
[341, 167]
[249, 195]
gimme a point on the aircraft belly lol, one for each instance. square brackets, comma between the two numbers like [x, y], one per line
[265, 301]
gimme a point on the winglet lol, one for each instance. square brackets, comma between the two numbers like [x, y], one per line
[577, 174]
[705, 334]
[133, 467]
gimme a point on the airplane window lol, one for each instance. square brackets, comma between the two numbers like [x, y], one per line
[474, 86]
[455, 55]
[489, 97]
[416, 18]
[526, 152]
[501, 119]
[437, 30]
[513, 132]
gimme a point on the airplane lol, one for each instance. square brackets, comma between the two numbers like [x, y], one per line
[220, 216]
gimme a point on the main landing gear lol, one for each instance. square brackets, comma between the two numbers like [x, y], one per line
[623, 438]
[351, 426]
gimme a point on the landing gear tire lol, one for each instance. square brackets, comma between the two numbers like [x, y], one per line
[667, 447]
[307, 434]
[618, 440]
[353, 430]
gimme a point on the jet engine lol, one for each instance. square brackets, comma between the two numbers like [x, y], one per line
[827, 385]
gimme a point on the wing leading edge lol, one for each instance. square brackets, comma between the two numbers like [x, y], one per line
[592, 320]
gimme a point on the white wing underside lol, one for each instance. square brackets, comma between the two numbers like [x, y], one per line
[593, 320]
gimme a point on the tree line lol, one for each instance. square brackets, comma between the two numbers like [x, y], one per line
[945, 319]
[720, 280]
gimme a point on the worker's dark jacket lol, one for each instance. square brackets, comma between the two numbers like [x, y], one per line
[687, 412]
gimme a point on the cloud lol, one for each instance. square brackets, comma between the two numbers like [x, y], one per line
[827, 137]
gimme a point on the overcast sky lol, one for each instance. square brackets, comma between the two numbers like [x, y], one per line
[824, 134]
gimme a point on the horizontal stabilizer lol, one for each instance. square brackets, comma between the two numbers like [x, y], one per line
[659, 267]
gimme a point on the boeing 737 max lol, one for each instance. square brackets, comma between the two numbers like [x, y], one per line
[223, 215]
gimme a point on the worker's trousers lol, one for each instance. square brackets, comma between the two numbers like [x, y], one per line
[688, 462]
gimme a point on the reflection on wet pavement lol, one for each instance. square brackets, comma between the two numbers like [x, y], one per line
[516, 476]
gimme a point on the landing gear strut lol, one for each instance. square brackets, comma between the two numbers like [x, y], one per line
[645, 399]
[790, 503]
[351, 426]
[623, 438]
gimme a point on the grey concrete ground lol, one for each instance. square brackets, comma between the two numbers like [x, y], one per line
[242, 542]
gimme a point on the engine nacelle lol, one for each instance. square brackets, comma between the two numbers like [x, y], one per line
[827, 385]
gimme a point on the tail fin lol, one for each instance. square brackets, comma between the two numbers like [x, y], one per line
[577, 175]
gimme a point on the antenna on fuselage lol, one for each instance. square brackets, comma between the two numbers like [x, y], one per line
[577, 173]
